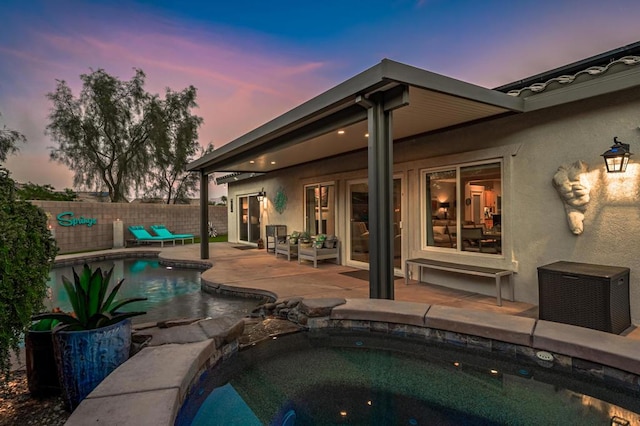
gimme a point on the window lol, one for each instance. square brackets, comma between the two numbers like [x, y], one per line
[319, 209]
[463, 208]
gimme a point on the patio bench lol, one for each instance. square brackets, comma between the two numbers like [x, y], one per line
[314, 254]
[480, 271]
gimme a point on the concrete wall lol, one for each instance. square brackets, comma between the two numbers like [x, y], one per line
[183, 219]
[535, 230]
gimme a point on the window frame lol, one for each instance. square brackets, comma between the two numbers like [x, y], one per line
[319, 185]
[459, 205]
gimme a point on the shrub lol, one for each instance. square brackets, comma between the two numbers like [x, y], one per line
[93, 307]
[27, 252]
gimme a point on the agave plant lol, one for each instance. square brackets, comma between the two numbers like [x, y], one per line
[92, 307]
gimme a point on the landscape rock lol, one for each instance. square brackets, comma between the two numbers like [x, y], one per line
[320, 307]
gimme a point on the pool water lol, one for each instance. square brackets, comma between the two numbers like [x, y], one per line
[170, 292]
[328, 378]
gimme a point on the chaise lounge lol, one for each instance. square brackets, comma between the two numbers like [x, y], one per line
[142, 236]
[162, 231]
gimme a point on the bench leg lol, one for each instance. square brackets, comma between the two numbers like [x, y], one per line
[513, 290]
[498, 290]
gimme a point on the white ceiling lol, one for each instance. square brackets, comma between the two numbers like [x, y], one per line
[427, 111]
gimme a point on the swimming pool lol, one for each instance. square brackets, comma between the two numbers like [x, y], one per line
[347, 377]
[170, 292]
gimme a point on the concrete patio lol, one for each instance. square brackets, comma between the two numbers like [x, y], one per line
[260, 270]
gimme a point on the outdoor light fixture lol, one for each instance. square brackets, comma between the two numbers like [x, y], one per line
[617, 158]
[261, 195]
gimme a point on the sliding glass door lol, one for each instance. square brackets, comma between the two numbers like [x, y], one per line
[249, 219]
[359, 222]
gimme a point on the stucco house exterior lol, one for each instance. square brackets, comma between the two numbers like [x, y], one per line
[400, 163]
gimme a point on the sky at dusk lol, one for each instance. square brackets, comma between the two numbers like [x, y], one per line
[254, 60]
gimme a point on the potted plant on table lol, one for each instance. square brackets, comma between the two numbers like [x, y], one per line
[304, 240]
[95, 338]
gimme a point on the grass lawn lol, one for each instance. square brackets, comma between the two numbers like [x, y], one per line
[218, 239]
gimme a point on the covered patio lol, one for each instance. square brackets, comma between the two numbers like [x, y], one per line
[388, 103]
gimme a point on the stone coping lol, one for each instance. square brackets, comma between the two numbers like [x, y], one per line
[161, 376]
[68, 260]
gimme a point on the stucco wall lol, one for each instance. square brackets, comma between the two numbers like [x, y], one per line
[81, 237]
[535, 230]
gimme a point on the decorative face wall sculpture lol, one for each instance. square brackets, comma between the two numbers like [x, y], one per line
[574, 193]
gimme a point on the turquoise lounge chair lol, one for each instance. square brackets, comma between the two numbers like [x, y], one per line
[162, 231]
[143, 236]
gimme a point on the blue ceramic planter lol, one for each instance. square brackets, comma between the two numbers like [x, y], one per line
[85, 358]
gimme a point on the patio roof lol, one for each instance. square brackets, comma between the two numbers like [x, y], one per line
[310, 131]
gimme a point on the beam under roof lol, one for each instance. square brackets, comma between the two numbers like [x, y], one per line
[309, 131]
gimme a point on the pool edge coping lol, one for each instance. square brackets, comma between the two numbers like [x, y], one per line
[551, 337]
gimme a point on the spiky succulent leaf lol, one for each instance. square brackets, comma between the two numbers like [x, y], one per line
[87, 296]
[107, 279]
[117, 317]
[45, 324]
[62, 317]
[120, 303]
[71, 292]
[106, 306]
[85, 277]
[80, 286]
[94, 292]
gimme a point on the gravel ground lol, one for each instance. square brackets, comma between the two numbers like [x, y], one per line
[18, 407]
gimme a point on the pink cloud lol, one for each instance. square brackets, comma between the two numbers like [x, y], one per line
[238, 89]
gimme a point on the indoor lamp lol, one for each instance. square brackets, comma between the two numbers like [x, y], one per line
[445, 206]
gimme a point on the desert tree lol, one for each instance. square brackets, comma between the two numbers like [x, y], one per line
[176, 144]
[110, 135]
[32, 191]
[9, 140]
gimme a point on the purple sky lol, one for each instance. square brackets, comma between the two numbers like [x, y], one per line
[254, 60]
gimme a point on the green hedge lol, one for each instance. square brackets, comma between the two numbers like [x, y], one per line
[27, 252]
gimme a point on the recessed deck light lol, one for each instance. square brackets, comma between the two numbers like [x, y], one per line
[366, 135]
[341, 132]
[252, 162]
[273, 162]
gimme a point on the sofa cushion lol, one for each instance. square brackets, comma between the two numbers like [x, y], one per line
[439, 230]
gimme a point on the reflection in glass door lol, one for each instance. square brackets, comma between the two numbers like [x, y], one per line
[249, 219]
[320, 209]
[359, 222]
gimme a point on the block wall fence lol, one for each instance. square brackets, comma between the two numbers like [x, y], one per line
[79, 236]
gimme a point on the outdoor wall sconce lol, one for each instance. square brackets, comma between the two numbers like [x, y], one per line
[617, 158]
[261, 195]
[445, 206]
